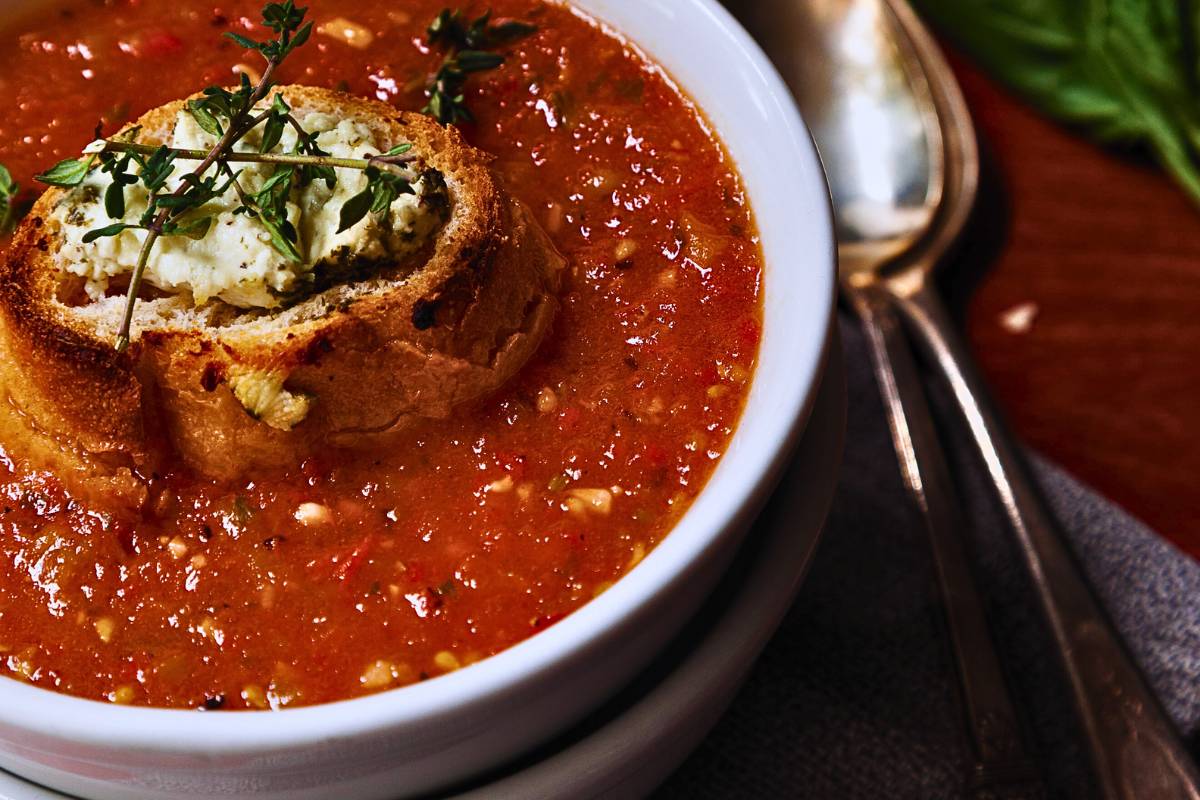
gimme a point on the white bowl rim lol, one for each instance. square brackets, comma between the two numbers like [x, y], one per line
[43, 712]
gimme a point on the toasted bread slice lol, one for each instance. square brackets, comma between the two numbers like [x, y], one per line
[343, 367]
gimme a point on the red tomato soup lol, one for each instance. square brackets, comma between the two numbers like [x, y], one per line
[339, 579]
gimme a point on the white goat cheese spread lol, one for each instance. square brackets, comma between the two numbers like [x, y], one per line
[235, 261]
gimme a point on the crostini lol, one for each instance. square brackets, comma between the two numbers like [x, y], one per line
[238, 361]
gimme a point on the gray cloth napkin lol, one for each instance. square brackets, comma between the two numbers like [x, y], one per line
[856, 696]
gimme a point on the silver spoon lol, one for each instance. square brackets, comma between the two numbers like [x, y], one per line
[868, 75]
[883, 149]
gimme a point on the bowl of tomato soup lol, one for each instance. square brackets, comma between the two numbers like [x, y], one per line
[390, 626]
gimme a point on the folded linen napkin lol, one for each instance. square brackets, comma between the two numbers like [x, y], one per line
[856, 695]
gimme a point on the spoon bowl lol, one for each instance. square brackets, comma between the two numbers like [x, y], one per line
[874, 118]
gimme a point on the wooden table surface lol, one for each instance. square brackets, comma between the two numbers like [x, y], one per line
[1105, 252]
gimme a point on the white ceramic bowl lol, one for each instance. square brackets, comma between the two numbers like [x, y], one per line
[423, 737]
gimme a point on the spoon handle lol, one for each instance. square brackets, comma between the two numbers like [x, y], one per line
[999, 756]
[1135, 749]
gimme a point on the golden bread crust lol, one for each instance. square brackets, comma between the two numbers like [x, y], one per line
[104, 421]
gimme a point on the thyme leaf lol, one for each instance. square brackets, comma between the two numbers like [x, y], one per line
[157, 169]
[107, 230]
[205, 118]
[354, 209]
[383, 187]
[193, 229]
[466, 44]
[67, 173]
[114, 200]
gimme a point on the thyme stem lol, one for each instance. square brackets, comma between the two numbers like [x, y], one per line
[264, 158]
[135, 280]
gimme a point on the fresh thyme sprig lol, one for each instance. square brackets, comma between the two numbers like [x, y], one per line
[230, 116]
[395, 156]
[466, 44]
[166, 214]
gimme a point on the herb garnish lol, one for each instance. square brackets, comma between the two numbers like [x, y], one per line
[230, 116]
[466, 44]
[10, 210]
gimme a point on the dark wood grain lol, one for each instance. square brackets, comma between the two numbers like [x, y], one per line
[1107, 379]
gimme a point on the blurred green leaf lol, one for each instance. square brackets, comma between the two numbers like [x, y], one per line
[1126, 72]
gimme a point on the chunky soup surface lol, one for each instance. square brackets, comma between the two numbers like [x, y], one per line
[339, 579]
